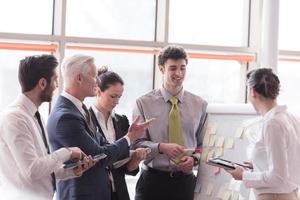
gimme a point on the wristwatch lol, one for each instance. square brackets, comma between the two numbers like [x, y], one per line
[196, 160]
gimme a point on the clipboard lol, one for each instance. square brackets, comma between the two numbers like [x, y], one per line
[72, 165]
[225, 164]
[124, 161]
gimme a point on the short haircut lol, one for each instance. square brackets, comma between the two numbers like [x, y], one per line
[264, 82]
[172, 52]
[74, 65]
[107, 78]
[33, 68]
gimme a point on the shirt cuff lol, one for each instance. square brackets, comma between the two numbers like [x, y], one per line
[251, 179]
[128, 140]
[63, 154]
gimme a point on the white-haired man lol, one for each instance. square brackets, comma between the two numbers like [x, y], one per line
[70, 124]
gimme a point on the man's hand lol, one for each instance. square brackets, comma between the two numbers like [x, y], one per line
[77, 153]
[139, 155]
[172, 150]
[136, 129]
[84, 165]
[186, 164]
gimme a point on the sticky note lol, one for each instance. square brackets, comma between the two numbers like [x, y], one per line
[196, 195]
[209, 189]
[227, 195]
[219, 152]
[204, 154]
[229, 143]
[197, 187]
[239, 132]
[211, 129]
[210, 154]
[235, 196]
[206, 140]
[220, 141]
[221, 192]
[212, 140]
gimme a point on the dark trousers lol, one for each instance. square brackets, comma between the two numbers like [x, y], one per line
[158, 185]
[114, 196]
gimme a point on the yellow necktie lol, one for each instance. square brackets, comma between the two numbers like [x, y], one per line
[175, 129]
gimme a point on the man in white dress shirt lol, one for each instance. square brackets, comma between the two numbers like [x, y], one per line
[27, 168]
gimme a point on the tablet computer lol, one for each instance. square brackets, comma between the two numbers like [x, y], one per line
[226, 164]
[122, 162]
[72, 165]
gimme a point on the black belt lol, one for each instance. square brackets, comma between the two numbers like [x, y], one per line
[166, 173]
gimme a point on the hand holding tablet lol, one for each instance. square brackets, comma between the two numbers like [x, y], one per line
[72, 165]
[225, 164]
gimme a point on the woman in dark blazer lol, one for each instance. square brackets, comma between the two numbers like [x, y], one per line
[114, 126]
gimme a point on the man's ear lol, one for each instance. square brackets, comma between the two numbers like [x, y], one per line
[78, 78]
[162, 68]
[42, 83]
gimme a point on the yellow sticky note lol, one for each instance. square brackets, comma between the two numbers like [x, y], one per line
[235, 196]
[209, 189]
[204, 155]
[221, 193]
[196, 195]
[229, 143]
[239, 132]
[219, 152]
[211, 129]
[227, 195]
[212, 140]
[210, 154]
[220, 141]
[206, 140]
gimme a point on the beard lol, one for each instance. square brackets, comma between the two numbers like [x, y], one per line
[46, 95]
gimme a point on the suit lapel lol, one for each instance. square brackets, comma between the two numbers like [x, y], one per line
[96, 123]
[90, 130]
[117, 127]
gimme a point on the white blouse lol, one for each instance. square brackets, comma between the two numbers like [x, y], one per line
[109, 130]
[275, 156]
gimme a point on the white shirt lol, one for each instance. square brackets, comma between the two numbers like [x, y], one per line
[275, 156]
[25, 166]
[109, 130]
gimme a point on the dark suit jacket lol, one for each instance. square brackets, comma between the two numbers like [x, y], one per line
[121, 125]
[67, 127]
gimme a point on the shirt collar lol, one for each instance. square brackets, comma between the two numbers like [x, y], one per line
[167, 96]
[28, 104]
[74, 100]
[274, 111]
[97, 112]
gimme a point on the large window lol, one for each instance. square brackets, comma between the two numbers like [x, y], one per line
[213, 22]
[289, 31]
[30, 16]
[135, 69]
[289, 44]
[9, 83]
[206, 26]
[116, 19]
[216, 81]
[289, 75]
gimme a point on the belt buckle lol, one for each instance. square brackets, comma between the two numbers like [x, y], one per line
[172, 174]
